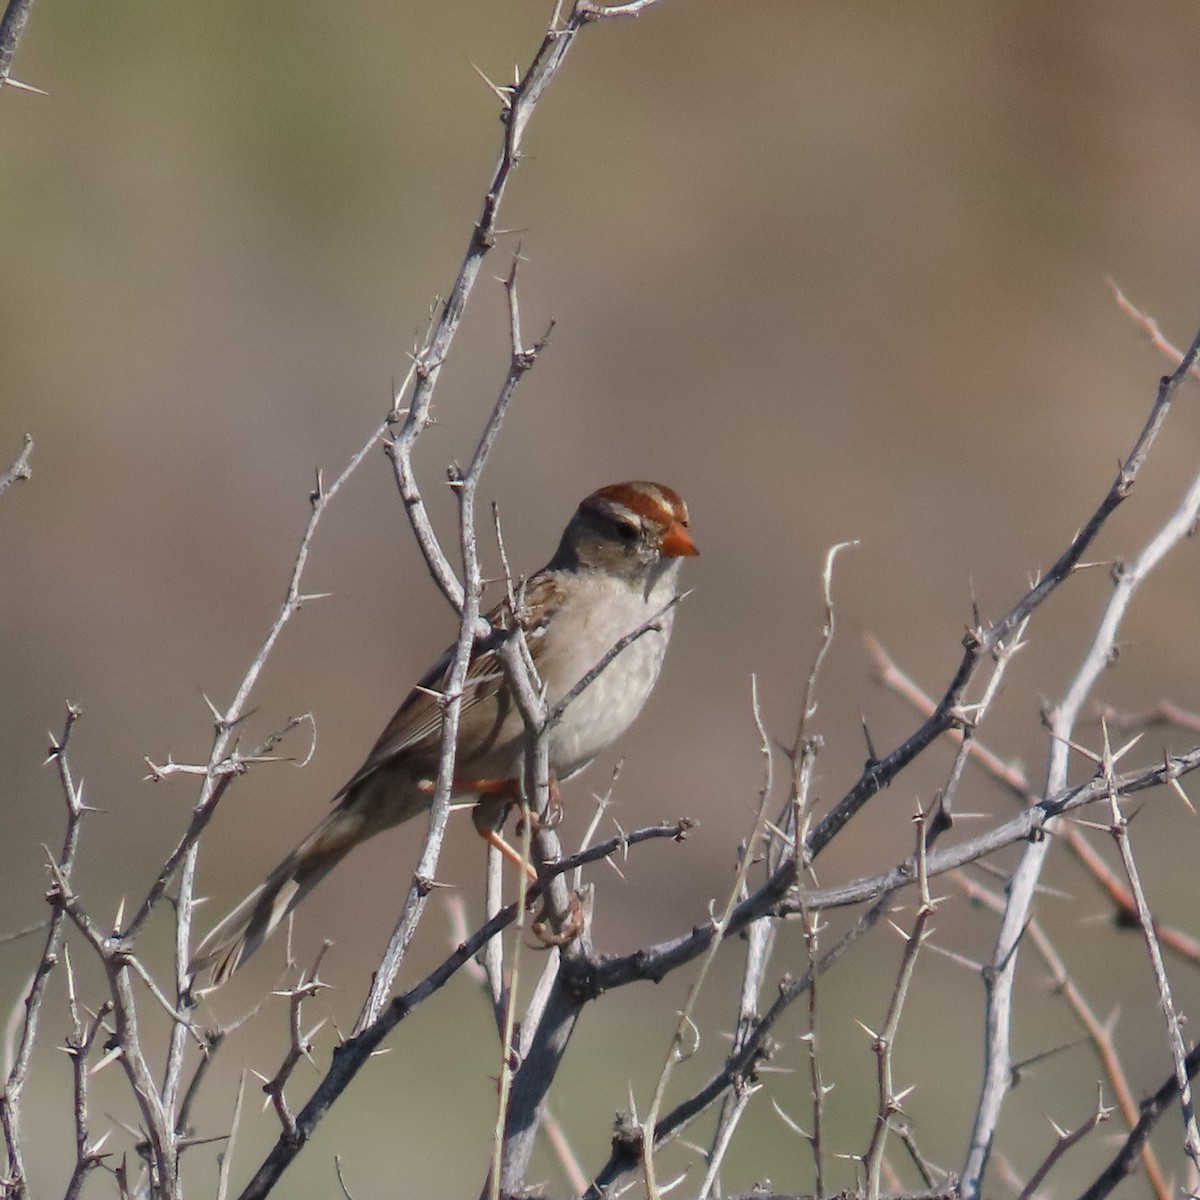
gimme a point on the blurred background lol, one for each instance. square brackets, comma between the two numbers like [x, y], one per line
[832, 271]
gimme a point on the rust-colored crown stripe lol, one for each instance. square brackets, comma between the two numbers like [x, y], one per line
[652, 501]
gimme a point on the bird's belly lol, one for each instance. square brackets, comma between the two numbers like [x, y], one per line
[607, 706]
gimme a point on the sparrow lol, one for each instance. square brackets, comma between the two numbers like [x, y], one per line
[616, 569]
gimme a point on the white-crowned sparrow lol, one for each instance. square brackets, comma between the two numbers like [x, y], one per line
[615, 569]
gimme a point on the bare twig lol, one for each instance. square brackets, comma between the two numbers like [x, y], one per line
[79, 1043]
[816, 1080]
[20, 468]
[508, 1048]
[1100, 1033]
[1149, 326]
[12, 26]
[627, 1153]
[1065, 1140]
[299, 1042]
[1003, 652]
[226, 1156]
[1163, 713]
[1126, 1159]
[466, 487]
[1120, 833]
[352, 1055]
[655, 962]
[18, 1067]
[720, 927]
[808, 705]
[162, 1145]
[981, 641]
[518, 104]
[556, 1136]
[1017, 784]
[885, 1040]
[217, 776]
[18, 934]
[760, 938]
[1001, 976]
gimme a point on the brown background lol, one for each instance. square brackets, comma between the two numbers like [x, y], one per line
[833, 271]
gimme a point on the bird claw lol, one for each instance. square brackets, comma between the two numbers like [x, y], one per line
[571, 929]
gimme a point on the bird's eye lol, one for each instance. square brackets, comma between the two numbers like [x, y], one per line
[626, 532]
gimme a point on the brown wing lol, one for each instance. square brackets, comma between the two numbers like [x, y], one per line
[415, 732]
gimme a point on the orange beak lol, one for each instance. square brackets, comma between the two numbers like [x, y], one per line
[677, 543]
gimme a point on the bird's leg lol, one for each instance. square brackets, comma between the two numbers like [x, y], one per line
[572, 926]
[496, 796]
[554, 809]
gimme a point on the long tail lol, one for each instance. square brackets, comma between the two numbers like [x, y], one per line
[256, 918]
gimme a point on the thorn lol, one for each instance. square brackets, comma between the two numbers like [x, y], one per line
[1129, 745]
[962, 960]
[613, 866]
[23, 87]
[133, 1131]
[872, 757]
[110, 1057]
[790, 1122]
[1096, 825]
[1110, 1026]
[1177, 787]
[503, 94]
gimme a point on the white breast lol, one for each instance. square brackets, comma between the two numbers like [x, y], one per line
[578, 638]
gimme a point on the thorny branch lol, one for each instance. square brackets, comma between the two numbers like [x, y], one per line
[1126, 1159]
[12, 26]
[299, 1042]
[1065, 1140]
[1000, 978]
[720, 928]
[18, 1060]
[1015, 781]
[575, 972]
[885, 1040]
[981, 641]
[78, 1046]
[1120, 832]
[1099, 1033]
[20, 468]
[627, 1151]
